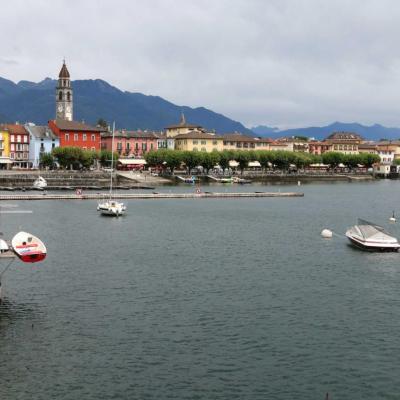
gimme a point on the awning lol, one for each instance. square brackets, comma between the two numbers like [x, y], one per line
[132, 161]
[4, 160]
[233, 164]
[254, 164]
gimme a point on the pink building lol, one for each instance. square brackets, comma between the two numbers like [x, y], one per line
[130, 143]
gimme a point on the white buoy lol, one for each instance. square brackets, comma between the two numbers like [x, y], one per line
[298, 183]
[326, 233]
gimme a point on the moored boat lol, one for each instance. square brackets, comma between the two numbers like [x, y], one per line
[111, 207]
[28, 247]
[40, 183]
[372, 237]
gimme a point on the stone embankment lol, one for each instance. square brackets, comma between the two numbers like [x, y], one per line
[13, 180]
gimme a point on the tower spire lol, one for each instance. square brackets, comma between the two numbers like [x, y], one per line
[183, 120]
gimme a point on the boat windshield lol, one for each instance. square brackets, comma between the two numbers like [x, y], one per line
[369, 229]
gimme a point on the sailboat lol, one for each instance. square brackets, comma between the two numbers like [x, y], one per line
[111, 207]
[40, 183]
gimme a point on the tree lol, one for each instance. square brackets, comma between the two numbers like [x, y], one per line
[209, 160]
[243, 158]
[224, 157]
[191, 159]
[332, 158]
[103, 123]
[46, 160]
[105, 158]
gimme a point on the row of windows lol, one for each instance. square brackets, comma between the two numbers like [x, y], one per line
[128, 147]
[92, 148]
[60, 96]
[19, 155]
[76, 137]
[19, 147]
[20, 138]
[345, 147]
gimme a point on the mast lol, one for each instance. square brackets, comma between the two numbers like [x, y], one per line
[112, 159]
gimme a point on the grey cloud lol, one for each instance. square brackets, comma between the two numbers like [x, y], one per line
[281, 63]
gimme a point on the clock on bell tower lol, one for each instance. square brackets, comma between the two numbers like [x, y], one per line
[64, 102]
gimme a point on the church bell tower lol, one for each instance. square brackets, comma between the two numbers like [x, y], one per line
[64, 103]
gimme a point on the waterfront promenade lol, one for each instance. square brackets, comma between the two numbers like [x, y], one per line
[142, 196]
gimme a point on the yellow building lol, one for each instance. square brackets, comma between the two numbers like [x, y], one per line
[344, 142]
[237, 141]
[181, 128]
[199, 141]
[5, 161]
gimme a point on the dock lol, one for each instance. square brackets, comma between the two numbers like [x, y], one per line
[142, 196]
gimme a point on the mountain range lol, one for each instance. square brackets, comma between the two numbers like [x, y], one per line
[93, 99]
[27, 101]
[373, 132]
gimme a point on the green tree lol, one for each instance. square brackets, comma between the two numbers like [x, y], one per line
[243, 158]
[46, 160]
[209, 160]
[332, 158]
[103, 123]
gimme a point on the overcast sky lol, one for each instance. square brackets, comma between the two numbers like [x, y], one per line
[286, 63]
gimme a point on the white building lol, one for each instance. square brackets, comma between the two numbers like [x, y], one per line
[42, 140]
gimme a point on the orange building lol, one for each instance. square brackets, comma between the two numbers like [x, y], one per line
[77, 134]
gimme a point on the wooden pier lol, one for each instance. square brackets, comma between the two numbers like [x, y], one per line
[141, 196]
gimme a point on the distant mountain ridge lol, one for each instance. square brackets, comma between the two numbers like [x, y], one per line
[93, 99]
[373, 132]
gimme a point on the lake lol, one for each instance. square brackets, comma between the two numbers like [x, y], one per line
[204, 299]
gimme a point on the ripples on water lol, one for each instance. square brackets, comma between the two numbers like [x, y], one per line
[204, 299]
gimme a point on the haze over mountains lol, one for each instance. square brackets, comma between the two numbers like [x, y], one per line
[373, 132]
[94, 99]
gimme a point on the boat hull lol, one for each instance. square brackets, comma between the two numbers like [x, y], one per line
[370, 246]
[28, 248]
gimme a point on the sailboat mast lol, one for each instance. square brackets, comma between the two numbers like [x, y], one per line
[112, 159]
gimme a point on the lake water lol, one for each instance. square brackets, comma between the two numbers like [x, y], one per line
[204, 299]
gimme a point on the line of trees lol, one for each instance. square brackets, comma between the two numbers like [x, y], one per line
[282, 160]
[76, 158]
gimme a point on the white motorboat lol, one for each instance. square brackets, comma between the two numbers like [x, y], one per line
[40, 183]
[369, 236]
[111, 207]
[28, 248]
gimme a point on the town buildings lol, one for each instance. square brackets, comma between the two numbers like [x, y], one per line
[199, 141]
[237, 141]
[77, 134]
[130, 143]
[182, 128]
[41, 140]
[18, 138]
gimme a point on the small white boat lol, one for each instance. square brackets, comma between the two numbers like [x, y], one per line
[28, 248]
[392, 218]
[40, 183]
[111, 207]
[369, 236]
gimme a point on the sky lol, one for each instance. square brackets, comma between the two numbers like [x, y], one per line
[281, 63]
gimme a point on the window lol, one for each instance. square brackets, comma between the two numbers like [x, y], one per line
[84, 148]
[144, 146]
[12, 147]
[203, 149]
[195, 142]
[12, 155]
[60, 96]
[67, 137]
[76, 137]
[119, 146]
[203, 142]
[93, 148]
[215, 142]
[19, 138]
[195, 149]
[128, 146]
[68, 96]
[93, 138]
[151, 146]
[84, 137]
[136, 146]
[41, 147]
[53, 145]
[12, 138]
